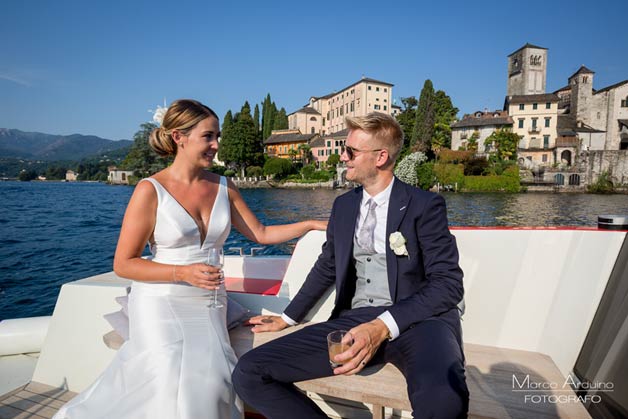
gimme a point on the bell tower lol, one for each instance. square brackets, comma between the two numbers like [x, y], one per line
[527, 71]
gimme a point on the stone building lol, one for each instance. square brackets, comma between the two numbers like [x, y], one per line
[71, 176]
[601, 115]
[477, 127]
[527, 71]
[118, 177]
[326, 114]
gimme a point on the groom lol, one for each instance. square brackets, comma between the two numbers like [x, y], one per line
[398, 300]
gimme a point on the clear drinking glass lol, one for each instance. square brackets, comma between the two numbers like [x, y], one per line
[338, 341]
[215, 258]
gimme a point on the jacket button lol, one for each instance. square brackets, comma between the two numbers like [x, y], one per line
[368, 259]
[368, 281]
[370, 300]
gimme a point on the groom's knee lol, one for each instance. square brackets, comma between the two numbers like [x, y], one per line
[246, 375]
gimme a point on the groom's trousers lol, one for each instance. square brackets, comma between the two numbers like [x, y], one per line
[428, 354]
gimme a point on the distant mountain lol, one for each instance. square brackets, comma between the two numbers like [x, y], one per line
[37, 146]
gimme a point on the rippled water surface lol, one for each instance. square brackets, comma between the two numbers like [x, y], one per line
[52, 233]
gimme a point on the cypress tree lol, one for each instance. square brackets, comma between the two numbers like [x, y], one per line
[281, 120]
[256, 117]
[225, 151]
[424, 123]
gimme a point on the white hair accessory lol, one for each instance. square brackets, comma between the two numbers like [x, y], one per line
[158, 115]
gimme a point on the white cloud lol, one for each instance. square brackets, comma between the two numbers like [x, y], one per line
[11, 78]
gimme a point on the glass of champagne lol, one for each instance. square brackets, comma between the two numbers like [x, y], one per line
[215, 258]
[338, 341]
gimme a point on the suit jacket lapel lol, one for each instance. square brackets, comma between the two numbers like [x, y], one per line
[347, 220]
[397, 209]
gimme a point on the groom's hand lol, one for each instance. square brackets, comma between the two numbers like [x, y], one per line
[267, 324]
[367, 338]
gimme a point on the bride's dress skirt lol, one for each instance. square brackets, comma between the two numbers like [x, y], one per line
[177, 363]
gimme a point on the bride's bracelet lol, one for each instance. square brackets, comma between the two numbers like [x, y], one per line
[174, 274]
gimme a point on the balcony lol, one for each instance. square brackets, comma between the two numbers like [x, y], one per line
[567, 142]
[534, 130]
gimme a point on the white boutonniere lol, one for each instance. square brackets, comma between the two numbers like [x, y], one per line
[398, 244]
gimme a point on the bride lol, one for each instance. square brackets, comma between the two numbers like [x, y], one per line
[177, 362]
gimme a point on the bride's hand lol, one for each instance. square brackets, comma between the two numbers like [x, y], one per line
[267, 323]
[202, 276]
[318, 225]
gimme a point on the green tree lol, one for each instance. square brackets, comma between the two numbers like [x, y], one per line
[256, 118]
[27, 175]
[305, 153]
[247, 149]
[269, 110]
[333, 160]
[424, 123]
[142, 159]
[226, 151]
[505, 142]
[444, 115]
[281, 120]
[406, 119]
[278, 167]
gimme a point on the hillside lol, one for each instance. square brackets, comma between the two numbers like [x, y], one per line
[47, 147]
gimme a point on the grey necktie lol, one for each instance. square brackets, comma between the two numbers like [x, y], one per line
[366, 235]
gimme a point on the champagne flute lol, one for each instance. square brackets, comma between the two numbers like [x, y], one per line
[215, 259]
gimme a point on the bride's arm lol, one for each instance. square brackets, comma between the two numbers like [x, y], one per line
[247, 223]
[137, 227]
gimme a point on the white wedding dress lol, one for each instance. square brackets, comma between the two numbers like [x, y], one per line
[178, 360]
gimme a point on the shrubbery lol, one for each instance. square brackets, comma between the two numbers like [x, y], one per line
[406, 169]
[425, 176]
[254, 171]
[603, 184]
[277, 167]
[229, 173]
[507, 182]
[449, 174]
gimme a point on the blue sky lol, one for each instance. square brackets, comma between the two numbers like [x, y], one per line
[88, 67]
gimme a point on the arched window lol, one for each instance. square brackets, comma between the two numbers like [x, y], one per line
[313, 119]
[559, 179]
[574, 180]
[565, 157]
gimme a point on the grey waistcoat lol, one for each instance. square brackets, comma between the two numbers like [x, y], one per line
[371, 289]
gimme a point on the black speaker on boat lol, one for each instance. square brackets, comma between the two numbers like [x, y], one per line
[612, 222]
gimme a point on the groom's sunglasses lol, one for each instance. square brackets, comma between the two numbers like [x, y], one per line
[351, 151]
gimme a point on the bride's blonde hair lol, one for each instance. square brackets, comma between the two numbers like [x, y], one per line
[182, 115]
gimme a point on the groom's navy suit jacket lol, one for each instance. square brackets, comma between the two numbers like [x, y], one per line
[426, 284]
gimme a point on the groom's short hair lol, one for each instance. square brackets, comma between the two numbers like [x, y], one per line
[383, 127]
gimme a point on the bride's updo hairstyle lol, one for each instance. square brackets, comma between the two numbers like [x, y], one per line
[182, 115]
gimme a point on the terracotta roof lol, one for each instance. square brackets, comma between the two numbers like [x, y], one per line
[582, 70]
[527, 45]
[289, 137]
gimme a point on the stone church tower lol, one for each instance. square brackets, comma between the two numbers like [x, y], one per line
[527, 71]
[581, 83]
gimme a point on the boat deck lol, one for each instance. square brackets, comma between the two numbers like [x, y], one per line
[489, 377]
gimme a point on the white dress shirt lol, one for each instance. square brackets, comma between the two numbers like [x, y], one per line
[381, 212]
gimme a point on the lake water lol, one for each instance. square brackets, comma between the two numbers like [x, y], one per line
[52, 233]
